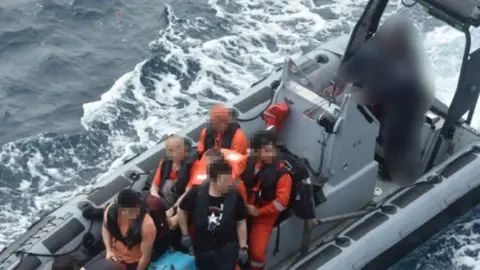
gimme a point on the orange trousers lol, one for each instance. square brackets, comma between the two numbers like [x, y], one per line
[259, 237]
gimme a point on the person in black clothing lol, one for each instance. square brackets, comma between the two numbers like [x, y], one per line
[219, 218]
[388, 67]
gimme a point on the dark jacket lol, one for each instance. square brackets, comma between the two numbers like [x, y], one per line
[393, 77]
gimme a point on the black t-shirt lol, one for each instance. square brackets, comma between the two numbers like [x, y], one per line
[206, 240]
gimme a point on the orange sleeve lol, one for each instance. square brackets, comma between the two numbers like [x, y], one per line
[239, 142]
[195, 171]
[156, 179]
[242, 190]
[190, 184]
[242, 165]
[284, 186]
[201, 146]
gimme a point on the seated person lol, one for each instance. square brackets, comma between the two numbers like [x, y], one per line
[219, 219]
[269, 196]
[171, 179]
[222, 132]
[236, 160]
[128, 231]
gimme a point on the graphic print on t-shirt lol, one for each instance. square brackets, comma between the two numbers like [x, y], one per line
[214, 217]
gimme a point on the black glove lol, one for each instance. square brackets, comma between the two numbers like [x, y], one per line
[186, 241]
[243, 256]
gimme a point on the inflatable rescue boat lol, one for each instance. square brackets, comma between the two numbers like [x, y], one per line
[360, 221]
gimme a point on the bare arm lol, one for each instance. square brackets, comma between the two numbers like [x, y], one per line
[187, 205]
[147, 246]
[156, 180]
[106, 236]
[107, 239]
[181, 198]
[242, 232]
[183, 221]
[154, 191]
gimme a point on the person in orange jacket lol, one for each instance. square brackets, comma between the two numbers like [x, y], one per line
[236, 160]
[171, 179]
[270, 194]
[222, 132]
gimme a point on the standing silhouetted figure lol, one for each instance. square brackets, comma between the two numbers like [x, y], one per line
[388, 68]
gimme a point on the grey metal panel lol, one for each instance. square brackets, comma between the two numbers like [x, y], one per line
[439, 107]
[103, 194]
[36, 227]
[64, 235]
[307, 143]
[352, 147]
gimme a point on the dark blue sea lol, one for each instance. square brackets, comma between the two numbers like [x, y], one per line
[85, 84]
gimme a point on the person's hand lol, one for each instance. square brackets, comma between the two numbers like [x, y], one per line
[331, 91]
[170, 212]
[155, 194]
[252, 210]
[186, 241]
[243, 256]
[172, 223]
[110, 256]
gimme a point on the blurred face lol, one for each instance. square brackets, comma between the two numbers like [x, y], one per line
[129, 212]
[224, 181]
[175, 149]
[267, 153]
[219, 122]
[396, 39]
[210, 160]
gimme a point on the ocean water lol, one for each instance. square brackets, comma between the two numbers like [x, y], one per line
[86, 84]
